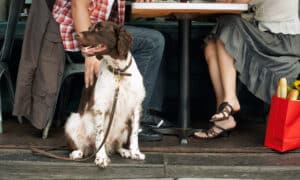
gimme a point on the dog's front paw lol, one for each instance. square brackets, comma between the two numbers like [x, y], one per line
[77, 154]
[137, 155]
[102, 161]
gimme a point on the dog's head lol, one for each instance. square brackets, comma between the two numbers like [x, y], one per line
[105, 38]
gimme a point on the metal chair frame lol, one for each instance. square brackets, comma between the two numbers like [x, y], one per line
[5, 54]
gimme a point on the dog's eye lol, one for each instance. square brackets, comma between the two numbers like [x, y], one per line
[98, 29]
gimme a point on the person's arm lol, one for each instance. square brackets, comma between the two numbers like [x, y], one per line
[80, 15]
[81, 19]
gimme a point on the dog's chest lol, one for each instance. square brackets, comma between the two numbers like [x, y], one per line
[131, 89]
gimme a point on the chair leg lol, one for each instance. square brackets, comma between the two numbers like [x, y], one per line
[20, 119]
[47, 128]
[12, 95]
[1, 128]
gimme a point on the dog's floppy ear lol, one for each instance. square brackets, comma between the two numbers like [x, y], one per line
[124, 42]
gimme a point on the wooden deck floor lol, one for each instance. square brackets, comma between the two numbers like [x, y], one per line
[241, 155]
[246, 138]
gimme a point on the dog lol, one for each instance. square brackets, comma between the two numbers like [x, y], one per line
[86, 129]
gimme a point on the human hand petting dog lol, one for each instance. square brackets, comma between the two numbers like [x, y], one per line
[82, 22]
[91, 68]
[91, 63]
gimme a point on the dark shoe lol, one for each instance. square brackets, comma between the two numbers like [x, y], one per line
[147, 134]
[211, 133]
[157, 122]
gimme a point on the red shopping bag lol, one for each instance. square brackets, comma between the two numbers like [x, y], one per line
[283, 126]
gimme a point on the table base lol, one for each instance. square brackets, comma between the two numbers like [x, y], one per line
[181, 133]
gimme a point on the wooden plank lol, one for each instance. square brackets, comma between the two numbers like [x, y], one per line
[45, 170]
[233, 172]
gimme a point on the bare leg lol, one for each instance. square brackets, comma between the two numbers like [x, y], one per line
[228, 76]
[214, 71]
[224, 85]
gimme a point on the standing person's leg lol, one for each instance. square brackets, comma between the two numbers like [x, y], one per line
[147, 49]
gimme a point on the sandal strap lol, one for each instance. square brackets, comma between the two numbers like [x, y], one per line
[211, 133]
[223, 106]
[226, 110]
[219, 127]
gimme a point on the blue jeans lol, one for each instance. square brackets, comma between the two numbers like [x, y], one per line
[147, 49]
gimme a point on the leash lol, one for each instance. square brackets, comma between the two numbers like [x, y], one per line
[118, 73]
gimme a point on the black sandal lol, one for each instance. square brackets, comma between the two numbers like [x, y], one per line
[211, 133]
[226, 110]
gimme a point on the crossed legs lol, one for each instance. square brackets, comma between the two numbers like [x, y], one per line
[223, 76]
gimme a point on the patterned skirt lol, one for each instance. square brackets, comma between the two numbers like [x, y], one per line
[260, 58]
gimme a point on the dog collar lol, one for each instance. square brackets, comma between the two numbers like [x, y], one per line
[120, 72]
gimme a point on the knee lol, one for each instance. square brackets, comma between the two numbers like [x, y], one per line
[210, 51]
[157, 40]
[153, 46]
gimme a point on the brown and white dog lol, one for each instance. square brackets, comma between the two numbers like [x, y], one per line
[85, 130]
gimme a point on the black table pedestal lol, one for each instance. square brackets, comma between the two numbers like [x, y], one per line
[184, 106]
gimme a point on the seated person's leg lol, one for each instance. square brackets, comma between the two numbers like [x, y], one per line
[156, 103]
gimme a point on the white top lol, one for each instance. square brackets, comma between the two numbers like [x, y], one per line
[277, 16]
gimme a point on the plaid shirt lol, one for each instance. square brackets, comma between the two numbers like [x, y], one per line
[98, 12]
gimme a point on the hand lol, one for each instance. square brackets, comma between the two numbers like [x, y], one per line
[91, 68]
[142, 1]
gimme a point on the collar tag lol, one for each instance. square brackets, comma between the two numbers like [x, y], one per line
[118, 76]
